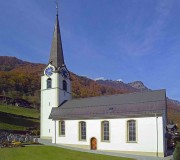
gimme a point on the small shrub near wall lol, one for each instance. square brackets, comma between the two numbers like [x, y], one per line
[176, 154]
[16, 144]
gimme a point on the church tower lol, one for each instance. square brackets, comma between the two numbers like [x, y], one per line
[55, 83]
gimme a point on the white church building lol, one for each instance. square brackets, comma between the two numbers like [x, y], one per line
[129, 123]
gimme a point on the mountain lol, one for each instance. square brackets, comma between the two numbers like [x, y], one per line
[8, 63]
[21, 79]
[138, 85]
[118, 85]
[174, 101]
[135, 86]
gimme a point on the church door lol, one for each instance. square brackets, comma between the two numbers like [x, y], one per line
[93, 143]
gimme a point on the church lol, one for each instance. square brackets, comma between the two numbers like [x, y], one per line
[132, 123]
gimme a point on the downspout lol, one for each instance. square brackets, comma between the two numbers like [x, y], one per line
[55, 131]
[165, 141]
[157, 133]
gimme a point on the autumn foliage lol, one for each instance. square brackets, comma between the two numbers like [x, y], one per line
[20, 79]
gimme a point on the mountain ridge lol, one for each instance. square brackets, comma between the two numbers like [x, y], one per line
[16, 65]
[21, 79]
[136, 86]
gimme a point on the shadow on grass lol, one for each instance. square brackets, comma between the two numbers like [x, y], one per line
[18, 120]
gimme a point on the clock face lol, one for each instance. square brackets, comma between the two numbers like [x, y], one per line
[49, 71]
[64, 73]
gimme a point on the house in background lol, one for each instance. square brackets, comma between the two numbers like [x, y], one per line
[129, 123]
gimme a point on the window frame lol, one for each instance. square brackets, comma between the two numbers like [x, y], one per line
[82, 132]
[62, 128]
[49, 83]
[133, 124]
[105, 132]
[64, 83]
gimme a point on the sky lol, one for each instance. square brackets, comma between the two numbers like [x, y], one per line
[126, 40]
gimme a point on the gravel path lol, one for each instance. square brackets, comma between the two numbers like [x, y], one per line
[137, 157]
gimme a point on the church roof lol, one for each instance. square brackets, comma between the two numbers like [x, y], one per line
[136, 104]
[56, 56]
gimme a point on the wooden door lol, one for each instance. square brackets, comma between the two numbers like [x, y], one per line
[93, 143]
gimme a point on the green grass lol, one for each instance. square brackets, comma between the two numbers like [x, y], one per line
[6, 126]
[27, 112]
[50, 153]
[18, 118]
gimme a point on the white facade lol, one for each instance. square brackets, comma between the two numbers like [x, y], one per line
[52, 97]
[150, 135]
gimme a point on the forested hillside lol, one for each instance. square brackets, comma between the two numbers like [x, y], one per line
[21, 79]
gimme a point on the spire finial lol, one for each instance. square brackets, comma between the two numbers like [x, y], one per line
[57, 7]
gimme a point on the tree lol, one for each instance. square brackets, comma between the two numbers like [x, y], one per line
[176, 154]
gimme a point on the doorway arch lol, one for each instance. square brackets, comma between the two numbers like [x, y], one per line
[93, 142]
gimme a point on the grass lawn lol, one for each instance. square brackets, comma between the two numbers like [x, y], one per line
[18, 118]
[27, 112]
[50, 153]
[6, 126]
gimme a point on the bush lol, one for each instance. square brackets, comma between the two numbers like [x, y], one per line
[176, 140]
[16, 144]
[176, 153]
[6, 144]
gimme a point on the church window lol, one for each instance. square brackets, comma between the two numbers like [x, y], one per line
[105, 130]
[49, 83]
[131, 127]
[82, 130]
[64, 85]
[62, 128]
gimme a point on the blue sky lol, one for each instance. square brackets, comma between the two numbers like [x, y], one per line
[115, 39]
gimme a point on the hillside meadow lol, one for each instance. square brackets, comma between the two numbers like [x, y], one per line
[18, 118]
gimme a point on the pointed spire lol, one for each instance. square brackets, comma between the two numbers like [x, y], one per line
[56, 56]
[57, 8]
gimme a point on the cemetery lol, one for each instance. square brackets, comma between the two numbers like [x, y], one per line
[10, 140]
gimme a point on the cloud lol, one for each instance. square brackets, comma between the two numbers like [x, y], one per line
[99, 78]
[119, 80]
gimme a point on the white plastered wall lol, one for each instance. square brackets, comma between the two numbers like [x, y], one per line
[51, 97]
[150, 135]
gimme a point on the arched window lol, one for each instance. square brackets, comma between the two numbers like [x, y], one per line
[131, 131]
[49, 83]
[105, 131]
[82, 130]
[62, 128]
[64, 85]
